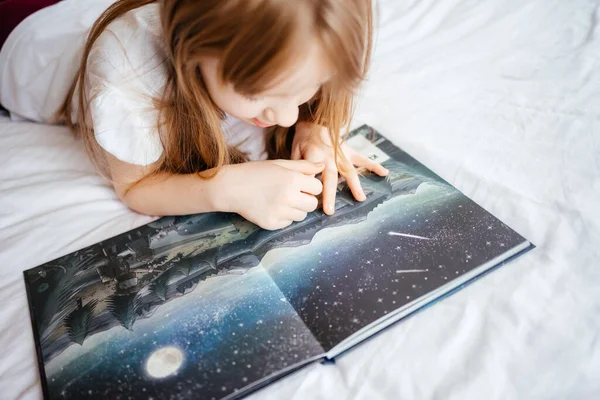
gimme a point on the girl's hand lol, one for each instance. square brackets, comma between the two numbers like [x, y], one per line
[271, 194]
[313, 143]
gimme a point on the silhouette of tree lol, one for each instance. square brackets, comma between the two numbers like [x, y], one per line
[78, 321]
[124, 309]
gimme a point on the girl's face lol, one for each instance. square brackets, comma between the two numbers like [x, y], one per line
[277, 105]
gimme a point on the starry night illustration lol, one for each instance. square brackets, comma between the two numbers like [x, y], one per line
[210, 306]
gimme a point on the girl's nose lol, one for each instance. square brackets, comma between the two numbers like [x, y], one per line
[284, 115]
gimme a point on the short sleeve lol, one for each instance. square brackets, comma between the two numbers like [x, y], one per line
[125, 74]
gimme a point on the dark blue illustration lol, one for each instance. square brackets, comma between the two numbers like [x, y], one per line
[207, 306]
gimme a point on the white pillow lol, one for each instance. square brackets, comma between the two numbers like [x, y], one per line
[40, 57]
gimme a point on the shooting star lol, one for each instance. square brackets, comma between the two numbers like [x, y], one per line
[408, 235]
[406, 271]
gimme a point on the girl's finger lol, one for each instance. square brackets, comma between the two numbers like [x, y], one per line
[305, 202]
[295, 215]
[310, 185]
[303, 166]
[364, 162]
[330, 181]
[283, 223]
[354, 184]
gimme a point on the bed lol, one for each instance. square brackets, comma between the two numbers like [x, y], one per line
[502, 99]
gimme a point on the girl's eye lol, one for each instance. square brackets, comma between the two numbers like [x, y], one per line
[251, 98]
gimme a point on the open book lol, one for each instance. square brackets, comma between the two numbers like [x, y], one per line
[210, 306]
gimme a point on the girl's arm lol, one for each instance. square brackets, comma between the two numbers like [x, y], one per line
[271, 194]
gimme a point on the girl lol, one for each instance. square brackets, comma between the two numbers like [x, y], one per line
[163, 84]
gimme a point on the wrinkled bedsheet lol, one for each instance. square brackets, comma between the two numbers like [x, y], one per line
[502, 99]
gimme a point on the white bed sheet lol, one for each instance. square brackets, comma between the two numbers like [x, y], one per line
[502, 99]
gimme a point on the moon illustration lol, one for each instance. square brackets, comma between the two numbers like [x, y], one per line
[164, 362]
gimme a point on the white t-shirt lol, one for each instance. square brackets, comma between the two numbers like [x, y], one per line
[125, 71]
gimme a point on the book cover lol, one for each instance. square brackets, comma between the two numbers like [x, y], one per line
[211, 306]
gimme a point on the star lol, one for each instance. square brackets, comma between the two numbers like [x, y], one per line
[355, 321]
[380, 300]
[487, 243]
[376, 248]
[469, 256]
[502, 244]
[490, 227]
[360, 290]
[369, 261]
[398, 247]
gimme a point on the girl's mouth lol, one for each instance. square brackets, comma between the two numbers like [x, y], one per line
[260, 124]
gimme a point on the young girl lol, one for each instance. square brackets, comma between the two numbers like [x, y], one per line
[164, 86]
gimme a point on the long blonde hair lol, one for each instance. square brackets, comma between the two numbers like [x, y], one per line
[253, 39]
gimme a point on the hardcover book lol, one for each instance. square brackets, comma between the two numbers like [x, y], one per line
[210, 306]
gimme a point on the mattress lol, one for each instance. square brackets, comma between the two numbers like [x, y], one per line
[502, 99]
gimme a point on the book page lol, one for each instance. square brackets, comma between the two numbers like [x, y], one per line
[178, 306]
[413, 234]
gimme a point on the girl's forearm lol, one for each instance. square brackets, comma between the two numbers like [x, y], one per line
[168, 194]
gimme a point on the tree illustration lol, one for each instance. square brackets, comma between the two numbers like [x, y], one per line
[66, 277]
[124, 308]
[79, 320]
